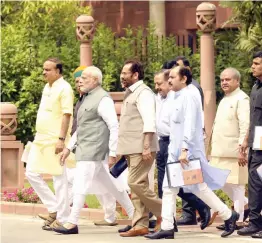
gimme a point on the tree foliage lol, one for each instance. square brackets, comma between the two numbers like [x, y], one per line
[35, 30]
[247, 15]
[110, 52]
[235, 46]
[32, 31]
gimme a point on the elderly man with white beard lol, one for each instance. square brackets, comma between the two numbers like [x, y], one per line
[95, 139]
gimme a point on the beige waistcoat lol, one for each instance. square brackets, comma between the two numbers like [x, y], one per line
[130, 136]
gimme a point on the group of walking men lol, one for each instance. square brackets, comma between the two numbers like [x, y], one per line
[168, 127]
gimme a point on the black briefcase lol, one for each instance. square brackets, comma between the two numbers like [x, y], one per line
[119, 167]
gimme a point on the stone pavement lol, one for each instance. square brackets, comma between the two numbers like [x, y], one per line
[27, 229]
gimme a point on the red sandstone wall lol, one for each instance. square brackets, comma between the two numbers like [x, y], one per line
[180, 17]
[120, 14]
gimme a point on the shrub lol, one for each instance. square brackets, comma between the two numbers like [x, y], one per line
[26, 195]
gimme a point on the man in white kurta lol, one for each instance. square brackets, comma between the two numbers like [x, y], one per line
[229, 130]
[186, 142]
[95, 139]
[52, 133]
[164, 102]
[106, 200]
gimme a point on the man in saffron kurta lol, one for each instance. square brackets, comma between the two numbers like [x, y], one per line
[52, 132]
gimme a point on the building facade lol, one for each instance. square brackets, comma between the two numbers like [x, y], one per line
[170, 17]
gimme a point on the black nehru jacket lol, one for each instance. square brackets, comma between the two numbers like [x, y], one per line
[255, 111]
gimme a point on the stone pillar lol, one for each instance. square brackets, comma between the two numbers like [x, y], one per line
[206, 23]
[85, 28]
[12, 169]
[157, 15]
[118, 98]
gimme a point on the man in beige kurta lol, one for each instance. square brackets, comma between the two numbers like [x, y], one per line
[230, 127]
[137, 140]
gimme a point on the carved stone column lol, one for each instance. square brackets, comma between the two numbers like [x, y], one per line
[12, 169]
[85, 28]
[206, 23]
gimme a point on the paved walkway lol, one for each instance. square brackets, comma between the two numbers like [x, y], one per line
[27, 229]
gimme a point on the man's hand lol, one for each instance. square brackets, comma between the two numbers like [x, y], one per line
[183, 158]
[242, 158]
[118, 157]
[111, 161]
[242, 161]
[59, 146]
[147, 155]
[243, 147]
[64, 155]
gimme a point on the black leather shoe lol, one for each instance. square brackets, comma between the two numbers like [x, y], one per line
[62, 230]
[222, 227]
[161, 234]
[249, 230]
[127, 228]
[152, 225]
[205, 216]
[230, 224]
[257, 235]
[186, 221]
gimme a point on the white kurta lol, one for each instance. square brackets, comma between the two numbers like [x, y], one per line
[186, 132]
[163, 113]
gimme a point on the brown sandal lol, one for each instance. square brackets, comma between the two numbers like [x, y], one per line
[49, 221]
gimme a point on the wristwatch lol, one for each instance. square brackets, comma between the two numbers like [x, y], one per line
[62, 139]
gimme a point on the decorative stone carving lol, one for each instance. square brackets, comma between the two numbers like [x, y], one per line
[12, 170]
[85, 28]
[8, 118]
[206, 17]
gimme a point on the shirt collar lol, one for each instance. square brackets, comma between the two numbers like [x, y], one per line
[134, 86]
[92, 91]
[170, 94]
[181, 91]
[56, 83]
[233, 92]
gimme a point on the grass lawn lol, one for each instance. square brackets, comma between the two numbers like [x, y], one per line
[91, 200]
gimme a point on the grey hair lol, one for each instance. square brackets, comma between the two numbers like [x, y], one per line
[236, 73]
[165, 72]
[96, 72]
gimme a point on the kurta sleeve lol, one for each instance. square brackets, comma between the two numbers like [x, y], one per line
[243, 115]
[146, 106]
[67, 100]
[106, 110]
[190, 109]
[72, 142]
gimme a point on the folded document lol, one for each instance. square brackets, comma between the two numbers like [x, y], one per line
[189, 175]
